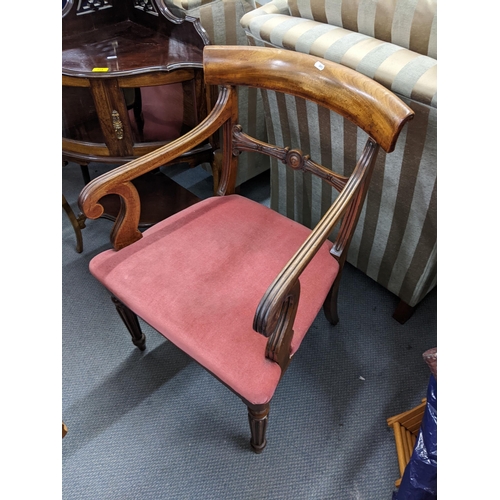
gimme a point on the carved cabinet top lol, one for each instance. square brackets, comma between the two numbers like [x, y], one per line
[109, 38]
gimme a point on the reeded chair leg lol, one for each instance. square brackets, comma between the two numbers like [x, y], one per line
[132, 323]
[258, 426]
[330, 305]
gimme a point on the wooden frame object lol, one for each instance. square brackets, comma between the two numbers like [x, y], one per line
[367, 105]
[406, 427]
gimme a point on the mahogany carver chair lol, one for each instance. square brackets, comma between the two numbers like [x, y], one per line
[230, 282]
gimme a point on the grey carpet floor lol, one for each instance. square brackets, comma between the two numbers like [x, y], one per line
[154, 425]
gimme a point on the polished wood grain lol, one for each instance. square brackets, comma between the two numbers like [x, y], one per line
[127, 40]
[331, 85]
[137, 50]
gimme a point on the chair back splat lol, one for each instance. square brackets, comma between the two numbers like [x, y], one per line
[229, 281]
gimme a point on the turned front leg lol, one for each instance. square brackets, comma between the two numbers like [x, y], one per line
[258, 426]
[132, 323]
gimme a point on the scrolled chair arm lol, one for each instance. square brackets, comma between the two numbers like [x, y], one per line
[276, 311]
[274, 319]
[275, 314]
[119, 180]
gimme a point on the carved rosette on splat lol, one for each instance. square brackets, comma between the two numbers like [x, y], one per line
[294, 158]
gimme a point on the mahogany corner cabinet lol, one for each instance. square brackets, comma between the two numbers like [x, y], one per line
[132, 81]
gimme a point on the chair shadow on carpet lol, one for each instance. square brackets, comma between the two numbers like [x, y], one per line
[128, 386]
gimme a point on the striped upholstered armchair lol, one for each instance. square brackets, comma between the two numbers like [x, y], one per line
[393, 42]
[221, 21]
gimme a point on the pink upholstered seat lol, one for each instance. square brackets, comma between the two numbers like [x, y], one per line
[198, 277]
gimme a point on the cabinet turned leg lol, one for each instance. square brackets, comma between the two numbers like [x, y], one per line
[78, 223]
[138, 114]
[132, 323]
[403, 312]
[85, 173]
[258, 426]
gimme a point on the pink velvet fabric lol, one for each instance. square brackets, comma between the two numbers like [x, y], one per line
[198, 277]
[163, 112]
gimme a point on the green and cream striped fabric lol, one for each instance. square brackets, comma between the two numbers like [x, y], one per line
[221, 21]
[189, 4]
[408, 23]
[404, 71]
[395, 240]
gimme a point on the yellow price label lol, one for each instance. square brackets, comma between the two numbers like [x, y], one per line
[100, 70]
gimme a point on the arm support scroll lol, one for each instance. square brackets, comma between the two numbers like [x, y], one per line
[279, 327]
